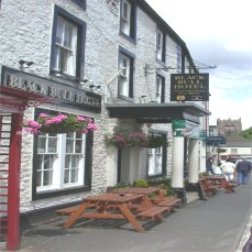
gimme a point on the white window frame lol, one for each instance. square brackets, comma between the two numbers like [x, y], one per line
[124, 77]
[179, 58]
[65, 47]
[155, 161]
[159, 45]
[58, 168]
[159, 88]
[126, 17]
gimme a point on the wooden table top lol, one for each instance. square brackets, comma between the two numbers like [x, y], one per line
[114, 197]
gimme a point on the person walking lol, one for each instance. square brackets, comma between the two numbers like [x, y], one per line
[228, 170]
[243, 168]
[209, 165]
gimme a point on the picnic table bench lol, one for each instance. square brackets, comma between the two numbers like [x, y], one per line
[207, 187]
[221, 182]
[114, 206]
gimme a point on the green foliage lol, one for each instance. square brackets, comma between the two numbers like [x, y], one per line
[141, 183]
[163, 183]
[124, 138]
[247, 133]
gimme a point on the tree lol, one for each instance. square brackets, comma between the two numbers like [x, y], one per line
[247, 133]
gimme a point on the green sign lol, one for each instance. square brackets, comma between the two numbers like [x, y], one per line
[178, 127]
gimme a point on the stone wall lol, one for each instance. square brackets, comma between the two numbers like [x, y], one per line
[25, 33]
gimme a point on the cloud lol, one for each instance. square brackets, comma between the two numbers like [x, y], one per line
[217, 33]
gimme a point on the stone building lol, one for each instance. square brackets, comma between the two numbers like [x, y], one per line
[108, 60]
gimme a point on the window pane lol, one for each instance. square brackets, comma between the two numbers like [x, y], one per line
[70, 135]
[67, 161]
[59, 31]
[41, 144]
[52, 145]
[47, 178]
[74, 161]
[79, 135]
[70, 146]
[78, 146]
[68, 35]
[48, 161]
[66, 176]
[74, 175]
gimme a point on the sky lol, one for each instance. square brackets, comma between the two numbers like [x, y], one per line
[217, 32]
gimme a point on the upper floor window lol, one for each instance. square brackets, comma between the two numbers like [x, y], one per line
[127, 26]
[160, 82]
[67, 44]
[125, 81]
[160, 45]
[179, 59]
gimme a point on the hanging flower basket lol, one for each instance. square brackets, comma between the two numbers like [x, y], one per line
[125, 139]
[61, 123]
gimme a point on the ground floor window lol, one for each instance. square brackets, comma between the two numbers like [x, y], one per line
[156, 160]
[61, 163]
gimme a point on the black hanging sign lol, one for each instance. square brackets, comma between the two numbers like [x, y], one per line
[189, 87]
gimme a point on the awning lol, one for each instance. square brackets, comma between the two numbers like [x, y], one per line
[158, 112]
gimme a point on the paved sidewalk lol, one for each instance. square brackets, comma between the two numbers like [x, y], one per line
[217, 225]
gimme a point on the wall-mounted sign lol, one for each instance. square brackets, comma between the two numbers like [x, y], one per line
[189, 87]
[215, 140]
[60, 92]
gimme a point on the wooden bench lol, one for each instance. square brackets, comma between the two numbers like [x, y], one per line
[154, 213]
[227, 185]
[221, 182]
[169, 201]
[208, 187]
[67, 210]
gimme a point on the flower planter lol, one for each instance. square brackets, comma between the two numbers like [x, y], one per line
[124, 139]
[58, 124]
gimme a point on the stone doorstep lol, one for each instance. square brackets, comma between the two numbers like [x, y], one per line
[192, 196]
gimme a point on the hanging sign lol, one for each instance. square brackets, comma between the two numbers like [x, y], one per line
[189, 87]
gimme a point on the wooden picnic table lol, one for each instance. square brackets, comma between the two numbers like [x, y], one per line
[116, 205]
[221, 181]
[107, 206]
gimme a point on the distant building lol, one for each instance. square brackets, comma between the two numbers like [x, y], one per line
[227, 127]
[236, 146]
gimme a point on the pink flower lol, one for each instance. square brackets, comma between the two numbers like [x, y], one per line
[32, 130]
[92, 126]
[84, 131]
[43, 115]
[56, 120]
[81, 118]
[34, 124]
